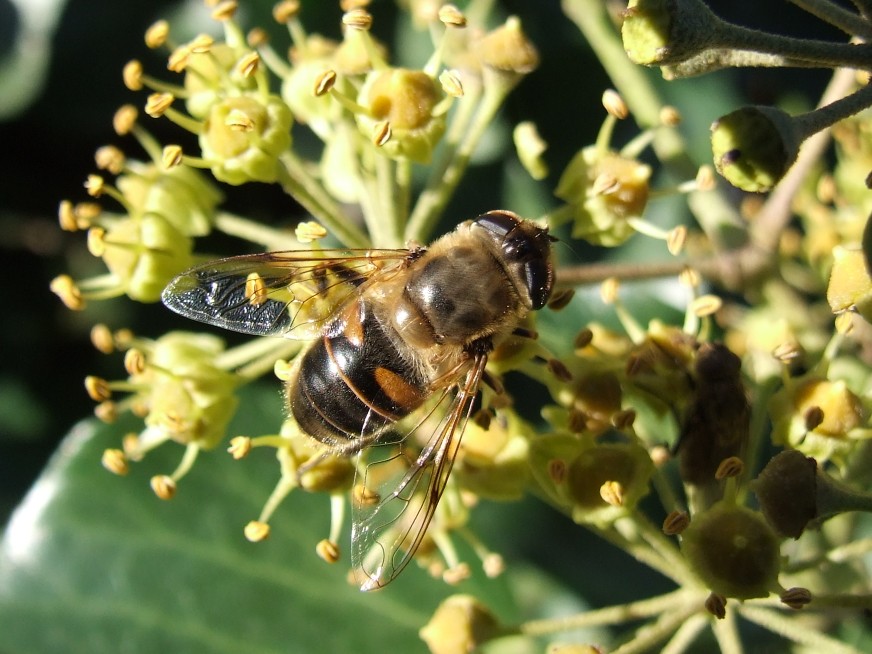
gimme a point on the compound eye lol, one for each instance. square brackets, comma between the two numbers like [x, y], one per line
[539, 278]
[519, 248]
[498, 223]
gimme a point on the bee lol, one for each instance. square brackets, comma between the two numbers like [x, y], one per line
[394, 334]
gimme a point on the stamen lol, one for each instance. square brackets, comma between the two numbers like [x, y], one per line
[286, 10]
[255, 289]
[324, 82]
[124, 119]
[115, 461]
[97, 388]
[614, 104]
[612, 493]
[110, 158]
[67, 216]
[101, 339]
[381, 133]
[249, 64]
[132, 75]
[256, 531]
[158, 103]
[171, 156]
[163, 486]
[451, 84]
[134, 361]
[729, 468]
[240, 446]
[675, 523]
[225, 10]
[157, 34]
[358, 19]
[451, 16]
[327, 550]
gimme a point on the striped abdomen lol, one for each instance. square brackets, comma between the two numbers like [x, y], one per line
[353, 382]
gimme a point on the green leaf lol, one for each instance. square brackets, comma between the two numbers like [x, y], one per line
[95, 563]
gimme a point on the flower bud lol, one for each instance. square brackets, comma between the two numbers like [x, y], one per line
[507, 49]
[530, 148]
[733, 550]
[850, 286]
[753, 147]
[460, 624]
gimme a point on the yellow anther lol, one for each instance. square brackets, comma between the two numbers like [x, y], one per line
[163, 486]
[256, 531]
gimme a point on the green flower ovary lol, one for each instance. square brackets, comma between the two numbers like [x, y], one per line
[189, 399]
[753, 147]
[409, 101]
[600, 215]
[144, 254]
[180, 195]
[243, 138]
[734, 551]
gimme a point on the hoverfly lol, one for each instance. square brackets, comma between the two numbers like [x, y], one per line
[393, 332]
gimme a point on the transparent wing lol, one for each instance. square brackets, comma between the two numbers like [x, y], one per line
[398, 496]
[290, 294]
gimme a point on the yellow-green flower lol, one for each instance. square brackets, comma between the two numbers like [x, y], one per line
[243, 138]
[821, 418]
[604, 190]
[404, 112]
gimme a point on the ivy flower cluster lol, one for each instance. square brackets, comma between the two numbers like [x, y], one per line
[638, 412]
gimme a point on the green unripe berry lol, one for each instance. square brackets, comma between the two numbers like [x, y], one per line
[753, 147]
[734, 551]
[666, 32]
[786, 490]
